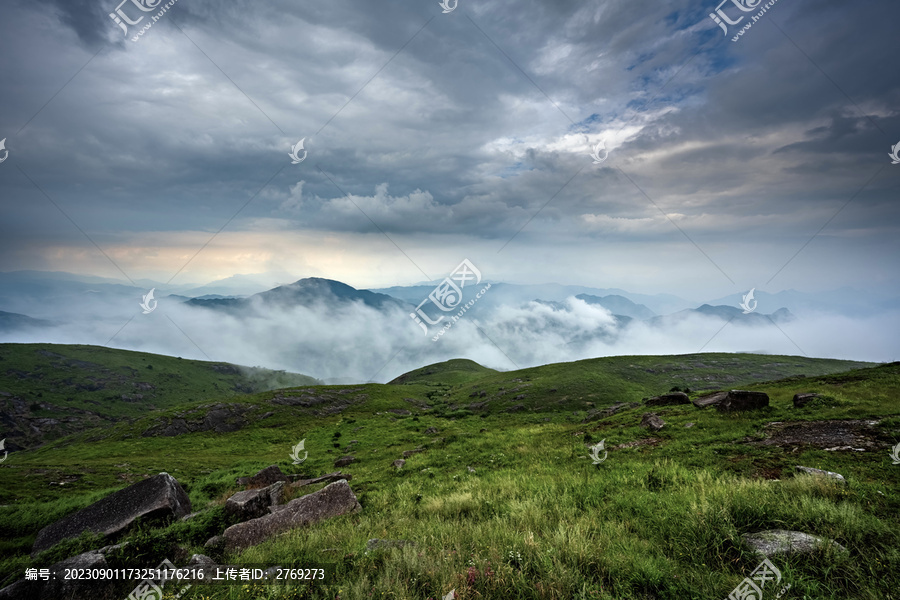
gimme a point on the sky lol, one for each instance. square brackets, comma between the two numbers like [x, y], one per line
[433, 136]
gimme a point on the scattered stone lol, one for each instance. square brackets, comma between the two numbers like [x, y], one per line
[251, 504]
[156, 497]
[471, 470]
[652, 421]
[201, 560]
[376, 544]
[636, 444]
[331, 501]
[399, 463]
[821, 473]
[801, 400]
[779, 541]
[264, 478]
[400, 411]
[344, 461]
[669, 399]
[734, 400]
[597, 414]
[688, 425]
[516, 408]
[408, 453]
[65, 588]
[520, 397]
[431, 431]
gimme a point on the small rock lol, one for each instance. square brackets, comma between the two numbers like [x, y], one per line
[779, 541]
[652, 421]
[471, 470]
[431, 431]
[820, 473]
[251, 504]
[399, 463]
[408, 453]
[688, 425]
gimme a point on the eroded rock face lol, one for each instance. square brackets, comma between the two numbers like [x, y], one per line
[160, 496]
[251, 504]
[780, 541]
[331, 501]
[670, 399]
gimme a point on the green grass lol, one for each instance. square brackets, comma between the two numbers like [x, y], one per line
[535, 520]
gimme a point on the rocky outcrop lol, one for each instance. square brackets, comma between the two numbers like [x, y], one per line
[734, 400]
[251, 504]
[220, 418]
[670, 399]
[779, 541]
[160, 496]
[263, 478]
[331, 501]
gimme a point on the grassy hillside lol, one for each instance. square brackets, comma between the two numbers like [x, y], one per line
[58, 389]
[661, 518]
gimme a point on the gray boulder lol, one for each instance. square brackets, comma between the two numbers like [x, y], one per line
[801, 400]
[821, 473]
[331, 501]
[780, 541]
[399, 463]
[652, 421]
[670, 399]
[250, 504]
[263, 478]
[160, 496]
[408, 453]
[709, 399]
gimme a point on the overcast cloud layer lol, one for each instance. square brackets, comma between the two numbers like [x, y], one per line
[435, 137]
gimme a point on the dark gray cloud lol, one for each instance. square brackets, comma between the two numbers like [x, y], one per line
[483, 117]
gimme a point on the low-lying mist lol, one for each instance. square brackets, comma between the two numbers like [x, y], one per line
[346, 342]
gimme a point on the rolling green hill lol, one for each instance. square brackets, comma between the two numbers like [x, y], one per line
[50, 390]
[501, 501]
